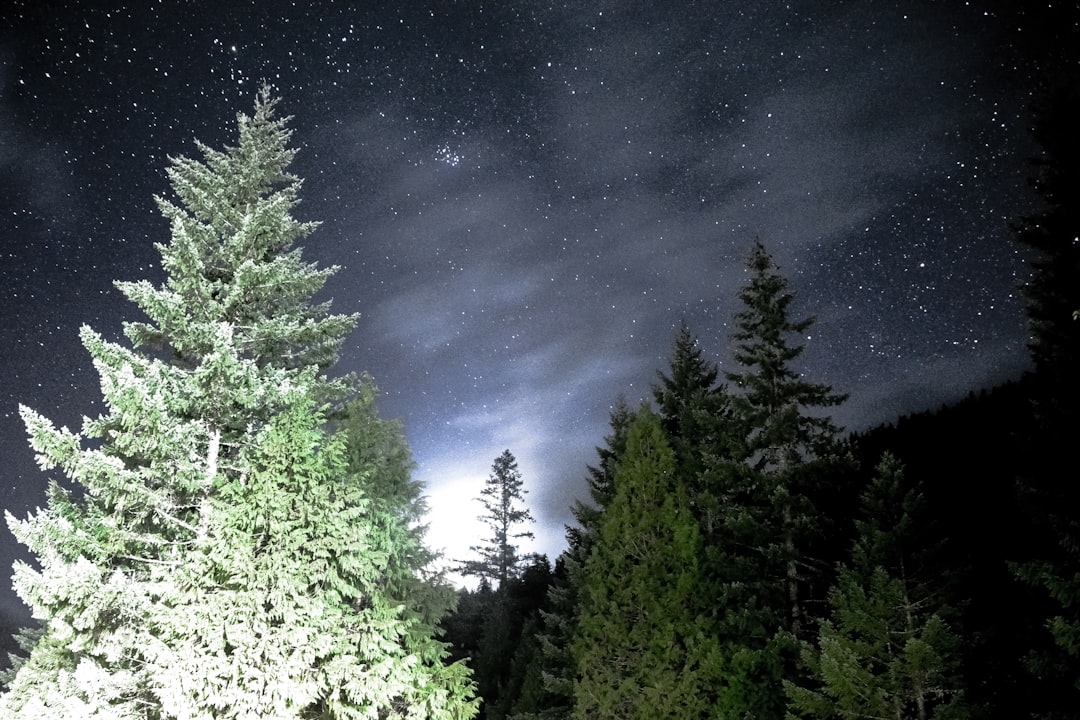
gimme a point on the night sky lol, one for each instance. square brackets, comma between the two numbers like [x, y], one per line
[527, 197]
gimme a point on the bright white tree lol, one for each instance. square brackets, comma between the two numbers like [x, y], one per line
[213, 551]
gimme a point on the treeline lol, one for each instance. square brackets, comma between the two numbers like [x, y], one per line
[740, 558]
[978, 529]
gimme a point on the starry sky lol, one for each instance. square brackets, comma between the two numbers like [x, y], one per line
[526, 198]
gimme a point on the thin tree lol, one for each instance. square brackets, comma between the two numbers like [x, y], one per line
[503, 492]
[784, 429]
[770, 451]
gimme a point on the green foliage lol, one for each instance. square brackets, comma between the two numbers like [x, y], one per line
[499, 636]
[554, 662]
[213, 551]
[26, 639]
[787, 441]
[765, 450]
[522, 686]
[885, 649]
[377, 452]
[697, 417]
[601, 478]
[526, 673]
[496, 630]
[554, 656]
[232, 266]
[283, 608]
[1066, 591]
[1058, 576]
[690, 378]
[640, 650]
[774, 399]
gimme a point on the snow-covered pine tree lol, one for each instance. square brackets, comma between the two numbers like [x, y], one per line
[210, 554]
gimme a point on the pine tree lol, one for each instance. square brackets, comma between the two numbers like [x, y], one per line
[210, 554]
[1053, 292]
[886, 650]
[499, 558]
[697, 416]
[640, 651]
[601, 477]
[25, 640]
[560, 621]
[232, 267]
[376, 450]
[784, 432]
[770, 451]
[691, 377]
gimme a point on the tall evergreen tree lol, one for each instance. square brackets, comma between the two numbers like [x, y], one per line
[784, 431]
[215, 555]
[376, 450]
[690, 377]
[640, 651]
[600, 477]
[697, 416]
[233, 262]
[886, 650]
[768, 455]
[499, 559]
[560, 620]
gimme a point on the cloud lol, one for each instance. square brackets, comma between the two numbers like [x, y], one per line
[541, 261]
[34, 175]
